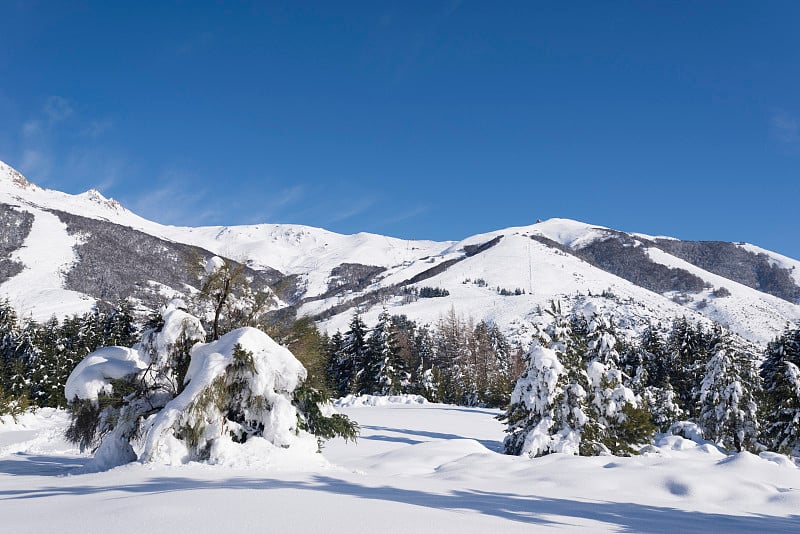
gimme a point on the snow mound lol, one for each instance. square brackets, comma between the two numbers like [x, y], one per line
[427, 458]
[378, 400]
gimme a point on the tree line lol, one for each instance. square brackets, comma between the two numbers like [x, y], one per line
[454, 361]
[36, 358]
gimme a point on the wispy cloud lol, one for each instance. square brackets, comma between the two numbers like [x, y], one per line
[197, 42]
[57, 137]
[96, 128]
[785, 129]
[176, 201]
[352, 209]
[57, 109]
[403, 216]
[35, 162]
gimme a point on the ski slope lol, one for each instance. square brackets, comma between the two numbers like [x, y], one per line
[416, 468]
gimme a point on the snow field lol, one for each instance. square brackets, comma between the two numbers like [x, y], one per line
[416, 468]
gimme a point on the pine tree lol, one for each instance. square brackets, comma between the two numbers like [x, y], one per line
[547, 409]
[613, 407]
[384, 372]
[498, 387]
[688, 349]
[338, 375]
[49, 368]
[120, 326]
[353, 357]
[728, 411]
[781, 379]
[8, 343]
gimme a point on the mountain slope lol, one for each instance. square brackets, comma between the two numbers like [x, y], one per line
[61, 253]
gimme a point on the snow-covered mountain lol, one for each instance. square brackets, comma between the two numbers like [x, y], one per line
[61, 253]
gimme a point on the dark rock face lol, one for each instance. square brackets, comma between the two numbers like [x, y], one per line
[15, 225]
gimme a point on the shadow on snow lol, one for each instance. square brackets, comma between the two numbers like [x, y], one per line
[495, 446]
[529, 509]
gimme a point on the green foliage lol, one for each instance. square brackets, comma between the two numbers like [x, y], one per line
[304, 340]
[37, 358]
[311, 419]
[635, 428]
[780, 409]
[13, 405]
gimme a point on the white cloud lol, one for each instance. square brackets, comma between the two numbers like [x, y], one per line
[35, 163]
[57, 109]
[352, 209]
[96, 128]
[31, 128]
[785, 129]
[175, 201]
[55, 137]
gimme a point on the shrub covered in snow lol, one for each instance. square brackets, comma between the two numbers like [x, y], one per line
[173, 399]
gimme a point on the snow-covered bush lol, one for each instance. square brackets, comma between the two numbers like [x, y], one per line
[173, 399]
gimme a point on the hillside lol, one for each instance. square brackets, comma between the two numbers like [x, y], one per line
[61, 253]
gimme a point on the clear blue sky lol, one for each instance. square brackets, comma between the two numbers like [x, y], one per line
[430, 119]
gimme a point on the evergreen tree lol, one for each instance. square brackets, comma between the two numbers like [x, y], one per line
[49, 368]
[616, 419]
[781, 378]
[338, 375]
[120, 326]
[727, 396]
[353, 357]
[384, 372]
[8, 344]
[688, 357]
[547, 409]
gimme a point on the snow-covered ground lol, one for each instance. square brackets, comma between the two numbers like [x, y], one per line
[416, 468]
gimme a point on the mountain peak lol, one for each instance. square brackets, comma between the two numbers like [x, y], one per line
[97, 197]
[10, 175]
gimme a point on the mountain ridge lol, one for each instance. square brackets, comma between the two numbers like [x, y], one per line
[505, 276]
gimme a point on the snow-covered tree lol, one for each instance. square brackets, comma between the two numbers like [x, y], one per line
[242, 390]
[688, 350]
[728, 410]
[547, 409]
[617, 419]
[353, 357]
[781, 380]
[384, 370]
[571, 397]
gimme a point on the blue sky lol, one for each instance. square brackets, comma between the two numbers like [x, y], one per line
[434, 119]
